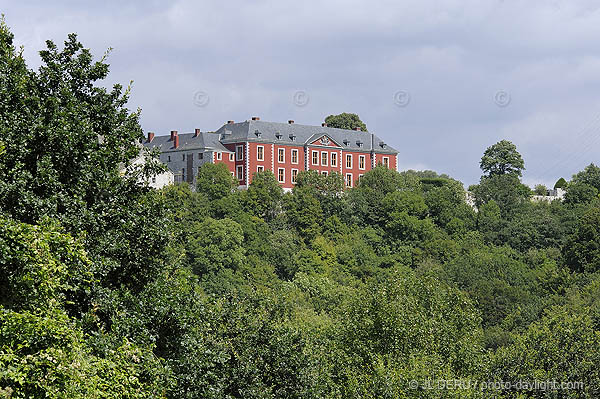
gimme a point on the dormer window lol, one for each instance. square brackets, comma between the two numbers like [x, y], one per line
[257, 133]
[346, 141]
[292, 137]
[359, 143]
[382, 144]
[278, 135]
[324, 140]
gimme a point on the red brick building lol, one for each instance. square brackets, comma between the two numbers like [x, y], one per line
[284, 148]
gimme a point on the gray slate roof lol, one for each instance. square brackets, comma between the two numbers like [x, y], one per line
[267, 131]
[271, 132]
[187, 141]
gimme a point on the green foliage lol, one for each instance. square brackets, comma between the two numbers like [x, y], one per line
[264, 196]
[560, 183]
[502, 159]
[580, 193]
[540, 189]
[505, 189]
[590, 176]
[214, 245]
[345, 121]
[215, 181]
[583, 248]
[110, 289]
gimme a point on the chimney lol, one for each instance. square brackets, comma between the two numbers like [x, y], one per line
[176, 142]
[255, 118]
[150, 137]
[291, 122]
[196, 132]
[229, 122]
[357, 129]
[324, 124]
[173, 134]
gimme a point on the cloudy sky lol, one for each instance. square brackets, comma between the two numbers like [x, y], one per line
[440, 80]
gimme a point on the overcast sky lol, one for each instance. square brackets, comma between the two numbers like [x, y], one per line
[440, 80]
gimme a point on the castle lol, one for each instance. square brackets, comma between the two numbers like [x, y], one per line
[283, 148]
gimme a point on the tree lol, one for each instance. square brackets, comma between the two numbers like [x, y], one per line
[540, 189]
[582, 250]
[502, 158]
[560, 183]
[580, 193]
[214, 245]
[70, 146]
[345, 121]
[590, 176]
[507, 190]
[263, 196]
[215, 181]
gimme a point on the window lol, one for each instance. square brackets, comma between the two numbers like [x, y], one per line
[183, 157]
[200, 167]
[281, 155]
[219, 155]
[294, 175]
[324, 173]
[183, 173]
[294, 156]
[281, 175]
[260, 153]
[334, 159]
[239, 152]
[361, 162]
[349, 161]
[386, 162]
[231, 157]
[348, 179]
[169, 159]
[324, 158]
[260, 168]
[359, 177]
[200, 155]
[154, 179]
[240, 172]
[315, 157]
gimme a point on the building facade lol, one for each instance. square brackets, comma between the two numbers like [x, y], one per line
[283, 148]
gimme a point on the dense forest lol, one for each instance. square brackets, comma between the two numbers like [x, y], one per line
[393, 289]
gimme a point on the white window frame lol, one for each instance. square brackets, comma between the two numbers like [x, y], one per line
[239, 152]
[231, 157]
[281, 155]
[260, 168]
[349, 180]
[386, 162]
[333, 160]
[313, 158]
[260, 150]
[362, 159]
[278, 175]
[349, 157]
[240, 172]
[294, 176]
[219, 155]
[324, 157]
[294, 155]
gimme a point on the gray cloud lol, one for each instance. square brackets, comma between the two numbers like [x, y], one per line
[451, 56]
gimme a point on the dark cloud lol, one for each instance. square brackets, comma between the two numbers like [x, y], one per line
[451, 57]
